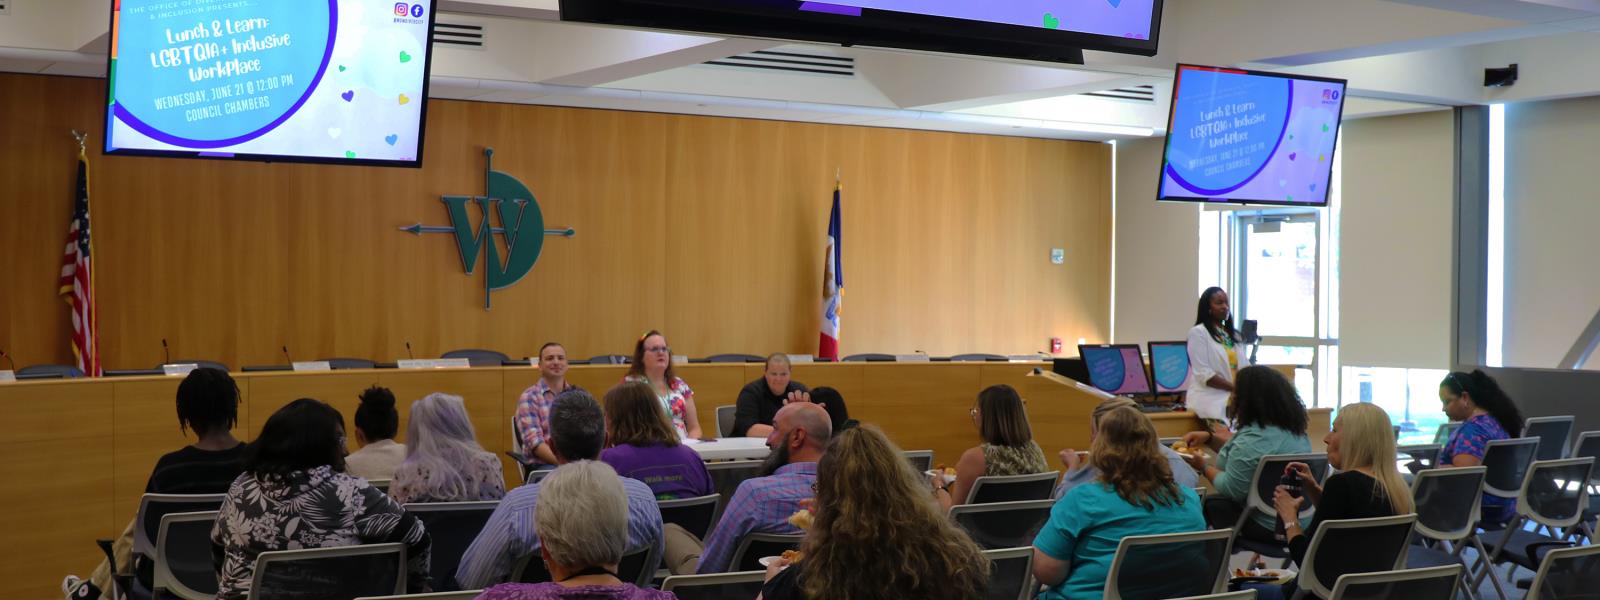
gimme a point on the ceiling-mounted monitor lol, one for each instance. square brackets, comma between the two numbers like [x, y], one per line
[1049, 30]
[1251, 137]
[336, 81]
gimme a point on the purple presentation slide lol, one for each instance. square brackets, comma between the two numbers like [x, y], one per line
[1115, 18]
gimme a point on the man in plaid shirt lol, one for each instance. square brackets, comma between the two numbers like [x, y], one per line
[763, 504]
[533, 408]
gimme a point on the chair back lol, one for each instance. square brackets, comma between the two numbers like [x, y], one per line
[692, 514]
[734, 358]
[1448, 501]
[154, 506]
[1554, 433]
[997, 525]
[478, 357]
[531, 569]
[1588, 445]
[1239, 595]
[718, 586]
[1567, 574]
[1556, 491]
[183, 566]
[1010, 574]
[1424, 456]
[725, 416]
[978, 357]
[1341, 547]
[327, 572]
[462, 595]
[1442, 436]
[1508, 462]
[1148, 567]
[340, 364]
[1012, 488]
[753, 546]
[453, 526]
[609, 359]
[1270, 470]
[921, 460]
[49, 372]
[1437, 582]
[639, 567]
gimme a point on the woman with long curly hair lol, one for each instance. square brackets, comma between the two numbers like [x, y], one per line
[877, 533]
[1134, 495]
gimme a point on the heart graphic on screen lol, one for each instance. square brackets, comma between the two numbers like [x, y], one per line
[404, 100]
[1283, 183]
[1313, 187]
[341, 68]
[1115, 3]
[1051, 22]
[404, 57]
[1293, 154]
[349, 153]
[1324, 127]
[348, 96]
[335, 132]
[392, 138]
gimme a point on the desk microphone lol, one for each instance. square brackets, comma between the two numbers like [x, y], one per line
[286, 355]
[166, 353]
[408, 350]
[8, 360]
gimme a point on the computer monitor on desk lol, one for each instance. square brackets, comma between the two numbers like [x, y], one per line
[1169, 366]
[1116, 369]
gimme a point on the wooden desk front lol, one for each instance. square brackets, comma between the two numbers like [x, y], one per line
[75, 454]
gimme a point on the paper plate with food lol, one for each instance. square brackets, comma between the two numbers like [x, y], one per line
[1279, 576]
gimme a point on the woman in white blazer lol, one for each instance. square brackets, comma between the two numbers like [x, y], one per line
[1212, 359]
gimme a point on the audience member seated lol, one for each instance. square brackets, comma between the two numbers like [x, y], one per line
[1080, 471]
[577, 432]
[583, 527]
[1008, 447]
[376, 423]
[1268, 419]
[533, 408]
[1486, 414]
[208, 404]
[830, 400]
[294, 494]
[1368, 484]
[762, 504]
[760, 400]
[644, 446]
[444, 462]
[887, 539]
[1135, 494]
[652, 364]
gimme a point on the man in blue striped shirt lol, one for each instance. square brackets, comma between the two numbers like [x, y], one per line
[763, 504]
[577, 432]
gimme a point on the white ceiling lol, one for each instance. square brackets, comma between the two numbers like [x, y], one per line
[1399, 55]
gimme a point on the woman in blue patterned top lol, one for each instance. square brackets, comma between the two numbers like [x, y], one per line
[1486, 414]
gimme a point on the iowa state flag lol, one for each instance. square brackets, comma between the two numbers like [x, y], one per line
[832, 285]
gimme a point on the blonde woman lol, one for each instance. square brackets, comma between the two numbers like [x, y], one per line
[1361, 446]
[883, 540]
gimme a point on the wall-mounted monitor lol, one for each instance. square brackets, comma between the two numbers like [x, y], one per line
[1051, 30]
[1251, 137]
[338, 81]
[1116, 368]
[1169, 366]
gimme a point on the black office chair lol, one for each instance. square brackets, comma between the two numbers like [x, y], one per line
[1554, 434]
[753, 546]
[326, 572]
[49, 372]
[869, 357]
[978, 357]
[1000, 525]
[1567, 574]
[734, 358]
[1012, 488]
[183, 567]
[339, 364]
[716, 586]
[479, 358]
[1259, 501]
[1010, 574]
[1436, 582]
[1169, 565]
[453, 526]
[1447, 512]
[1341, 547]
[692, 514]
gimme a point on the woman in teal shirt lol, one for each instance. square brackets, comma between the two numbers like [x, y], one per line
[1134, 495]
[1268, 419]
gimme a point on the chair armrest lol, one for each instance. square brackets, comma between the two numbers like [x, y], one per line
[1533, 549]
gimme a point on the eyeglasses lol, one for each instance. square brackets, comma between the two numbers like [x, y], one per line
[659, 349]
[813, 488]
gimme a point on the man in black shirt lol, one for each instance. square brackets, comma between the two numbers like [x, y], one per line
[760, 400]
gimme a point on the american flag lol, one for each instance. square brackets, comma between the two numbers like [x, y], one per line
[77, 278]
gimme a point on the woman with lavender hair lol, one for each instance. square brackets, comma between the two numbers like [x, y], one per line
[444, 462]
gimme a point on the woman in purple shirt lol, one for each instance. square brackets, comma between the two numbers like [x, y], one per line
[644, 446]
[1486, 414]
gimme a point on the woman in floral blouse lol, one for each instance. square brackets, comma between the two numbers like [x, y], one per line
[294, 494]
[444, 462]
[652, 364]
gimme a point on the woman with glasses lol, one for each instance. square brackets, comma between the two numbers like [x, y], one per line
[652, 364]
[1007, 449]
[1486, 414]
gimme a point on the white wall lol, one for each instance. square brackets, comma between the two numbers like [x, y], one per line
[1157, 245]
[1396, 241]
[1552, 212]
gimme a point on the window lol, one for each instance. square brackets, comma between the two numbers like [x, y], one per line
[1410, 396]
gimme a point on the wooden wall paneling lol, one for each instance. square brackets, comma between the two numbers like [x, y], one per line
[339, 389]
[920, 406]
[58, 482]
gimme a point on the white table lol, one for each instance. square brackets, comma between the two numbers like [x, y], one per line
[739, 448]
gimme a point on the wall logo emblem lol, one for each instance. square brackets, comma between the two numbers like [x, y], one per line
[521, 228]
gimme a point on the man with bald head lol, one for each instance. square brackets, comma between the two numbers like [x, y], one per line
[800, 432]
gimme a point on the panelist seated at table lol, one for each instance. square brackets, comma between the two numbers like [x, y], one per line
[533, 407]
[760, 400]
[652, 364]
[1007, 449]
[643, 445]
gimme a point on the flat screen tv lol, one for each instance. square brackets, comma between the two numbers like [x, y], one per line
[338, 81]
[1250, 137]
[1049, 30]
[1116, 368]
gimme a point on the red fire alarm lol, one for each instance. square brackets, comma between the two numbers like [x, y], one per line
[1055, 345]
